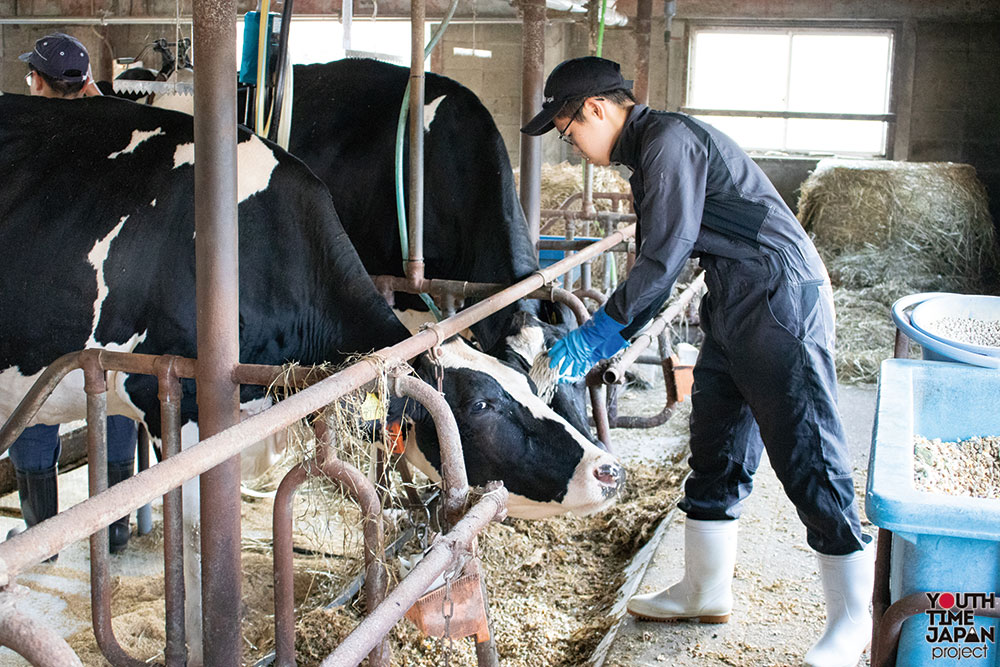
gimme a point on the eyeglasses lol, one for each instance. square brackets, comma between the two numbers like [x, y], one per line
[28, 78]
[562, 133]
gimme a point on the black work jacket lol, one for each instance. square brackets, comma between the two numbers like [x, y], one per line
[696, 193]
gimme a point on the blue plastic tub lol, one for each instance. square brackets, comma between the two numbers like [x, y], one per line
[932, 305]
[550, 257]
[940, 542]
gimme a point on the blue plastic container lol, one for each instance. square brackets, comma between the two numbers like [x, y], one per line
[550, 257]
[940, 542]
[932, 305]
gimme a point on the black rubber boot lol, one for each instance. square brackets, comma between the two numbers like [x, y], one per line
[118, 531]
[38, 492]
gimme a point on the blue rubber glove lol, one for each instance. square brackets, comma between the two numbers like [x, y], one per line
[576, 352]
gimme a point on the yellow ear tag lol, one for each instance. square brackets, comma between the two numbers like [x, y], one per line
[372, 409]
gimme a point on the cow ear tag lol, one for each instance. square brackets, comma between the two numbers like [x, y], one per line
[372, 409]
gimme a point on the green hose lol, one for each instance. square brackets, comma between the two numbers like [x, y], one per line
[599, 51]
[404, 241]
[600, 30]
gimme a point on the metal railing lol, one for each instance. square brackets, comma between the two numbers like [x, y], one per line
[92, 516]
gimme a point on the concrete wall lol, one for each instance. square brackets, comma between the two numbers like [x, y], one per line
[956, 92]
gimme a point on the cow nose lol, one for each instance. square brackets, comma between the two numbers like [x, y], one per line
[610, 474]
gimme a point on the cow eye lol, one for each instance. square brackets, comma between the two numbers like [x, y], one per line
[479, 406]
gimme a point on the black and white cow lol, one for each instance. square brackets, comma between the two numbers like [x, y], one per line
[344, 119]
[98, 236]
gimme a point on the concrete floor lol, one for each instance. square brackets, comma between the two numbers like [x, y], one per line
[778, 611]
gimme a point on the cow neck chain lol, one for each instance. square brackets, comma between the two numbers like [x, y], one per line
[447, 611]
[448, 605]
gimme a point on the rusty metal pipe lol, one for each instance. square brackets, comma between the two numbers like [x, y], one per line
[455, 289]
[356, 484]
[36, 642]
[217, 300]
[884, 654]
[453, 474]
[891, 624]
[175, 652]
[415, 263]
[598, 216]
[95, 385]
[532, 81]
[284, 575]
[47, 538]
[491, 507]
[599, 409]
[631, 421]
[881, 596]
[592, 294]
[615, 372]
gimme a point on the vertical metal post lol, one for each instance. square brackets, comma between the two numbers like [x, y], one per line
[217, 276]
[669, 11]
[644, 13]
[175, 652]
[95, 385]
[532, 81]
[347, 19]
[415, 264]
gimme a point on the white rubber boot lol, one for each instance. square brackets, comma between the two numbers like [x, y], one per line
[705, 593]
[847, 588]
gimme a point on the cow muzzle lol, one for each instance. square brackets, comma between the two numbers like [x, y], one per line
[611, 477]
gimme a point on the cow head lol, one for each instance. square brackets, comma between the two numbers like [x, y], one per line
[508, 433]
[528, 336]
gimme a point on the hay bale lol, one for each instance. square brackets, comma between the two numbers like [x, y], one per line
[927, 223]
[887, 229]
[561, 181]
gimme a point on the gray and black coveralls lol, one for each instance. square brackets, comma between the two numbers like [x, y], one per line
[765, 376]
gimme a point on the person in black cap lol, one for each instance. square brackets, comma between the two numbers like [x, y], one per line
[59, 66]
[765, 377]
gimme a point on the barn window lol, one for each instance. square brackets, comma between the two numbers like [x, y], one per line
[321, 40]
[796, 90]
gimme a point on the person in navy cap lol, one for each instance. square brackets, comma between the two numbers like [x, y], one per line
[59, 66]
[765, 377]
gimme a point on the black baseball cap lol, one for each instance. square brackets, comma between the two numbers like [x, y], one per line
[579, 77]
[59, 56]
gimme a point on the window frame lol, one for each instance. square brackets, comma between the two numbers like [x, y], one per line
[890, 118]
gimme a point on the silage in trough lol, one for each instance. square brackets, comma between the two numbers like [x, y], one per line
[887, 229]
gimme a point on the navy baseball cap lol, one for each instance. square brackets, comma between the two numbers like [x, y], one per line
[59, 56]
[579, 77]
